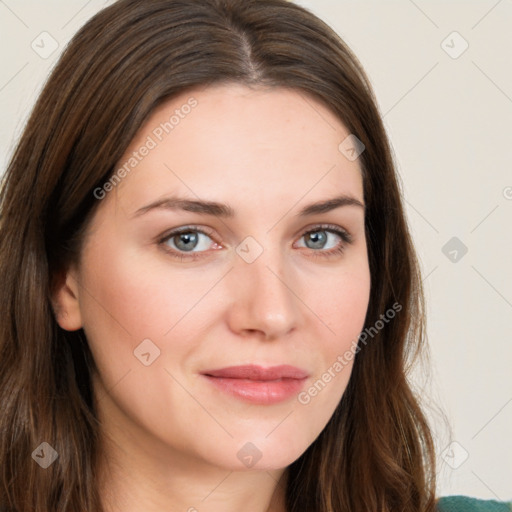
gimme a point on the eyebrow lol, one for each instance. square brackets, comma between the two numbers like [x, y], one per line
[223, 210]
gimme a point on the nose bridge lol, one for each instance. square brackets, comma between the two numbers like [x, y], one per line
[264, 297]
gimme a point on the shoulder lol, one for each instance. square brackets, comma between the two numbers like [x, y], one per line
[467, 504]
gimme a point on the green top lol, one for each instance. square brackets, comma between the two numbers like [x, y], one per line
[467, 504]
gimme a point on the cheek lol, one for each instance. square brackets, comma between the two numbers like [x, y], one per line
[128, 297]
[342, 305]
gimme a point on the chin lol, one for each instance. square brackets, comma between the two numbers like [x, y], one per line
[259, 453]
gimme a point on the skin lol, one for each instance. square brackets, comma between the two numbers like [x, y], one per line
[170, 438]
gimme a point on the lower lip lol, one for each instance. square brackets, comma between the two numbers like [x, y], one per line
[259, 392]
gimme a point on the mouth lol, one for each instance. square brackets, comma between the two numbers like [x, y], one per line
[258, 385]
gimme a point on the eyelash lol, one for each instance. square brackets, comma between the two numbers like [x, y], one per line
[193, 256]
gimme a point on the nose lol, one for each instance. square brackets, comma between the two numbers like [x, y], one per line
[264, 301]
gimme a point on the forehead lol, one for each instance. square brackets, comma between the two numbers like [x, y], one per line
[229, 139]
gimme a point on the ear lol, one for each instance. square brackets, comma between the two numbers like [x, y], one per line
[65, 300]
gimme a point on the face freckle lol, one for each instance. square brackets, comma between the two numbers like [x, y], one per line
[255, 292]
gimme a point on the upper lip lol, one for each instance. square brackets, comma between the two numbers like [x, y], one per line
[254, 372]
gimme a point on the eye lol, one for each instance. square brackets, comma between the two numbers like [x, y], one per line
[319, 236]
[189, 242]
[186, 240]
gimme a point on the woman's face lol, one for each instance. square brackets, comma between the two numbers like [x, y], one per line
[162, 310]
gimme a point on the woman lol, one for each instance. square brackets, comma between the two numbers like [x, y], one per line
[210, 292]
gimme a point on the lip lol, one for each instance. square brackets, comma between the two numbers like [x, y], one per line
[257, 384]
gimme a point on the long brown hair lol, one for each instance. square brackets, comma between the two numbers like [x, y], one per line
[376, 453]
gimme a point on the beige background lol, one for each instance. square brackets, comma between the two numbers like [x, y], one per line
[449, 118]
